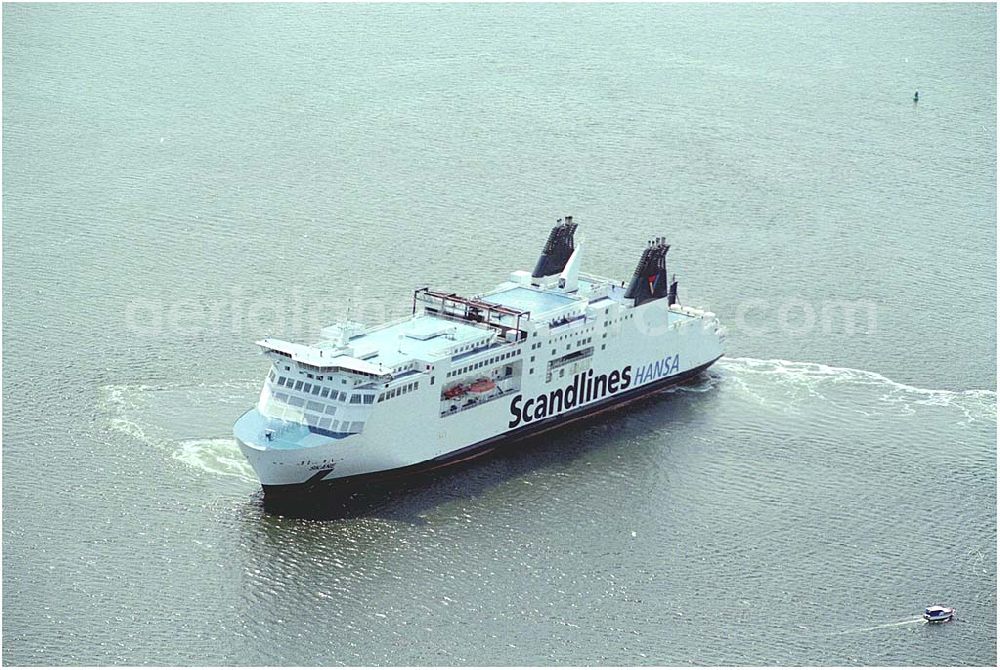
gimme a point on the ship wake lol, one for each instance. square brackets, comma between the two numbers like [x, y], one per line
[781, 383]
[190, 424]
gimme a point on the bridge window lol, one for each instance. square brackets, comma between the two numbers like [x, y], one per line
[298, 385]
[324, 393]
[355, 398]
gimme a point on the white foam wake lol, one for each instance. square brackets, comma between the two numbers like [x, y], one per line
[167, 416]
[819, 380]
[804, 370]
[217, 456]
[894, 624]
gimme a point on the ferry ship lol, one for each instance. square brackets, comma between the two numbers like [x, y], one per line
[462, 375]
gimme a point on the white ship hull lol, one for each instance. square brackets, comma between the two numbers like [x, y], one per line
[586, 355]
[405, 437]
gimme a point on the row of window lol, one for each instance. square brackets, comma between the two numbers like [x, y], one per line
[469, 347]
[277, 409]
[315, 389]
[563, 337]
[296, 401]
[476, 366]
[335, 426]
[622, 318]
[579, 343]
[325, 392]
[406, 388]
[330, 377]
[314, 368]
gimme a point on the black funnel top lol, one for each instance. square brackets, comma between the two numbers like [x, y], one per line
[650, 279]
[557, 251]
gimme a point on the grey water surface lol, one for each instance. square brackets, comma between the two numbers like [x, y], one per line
[180, 180]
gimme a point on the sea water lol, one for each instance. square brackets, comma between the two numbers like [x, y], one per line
[179, 181]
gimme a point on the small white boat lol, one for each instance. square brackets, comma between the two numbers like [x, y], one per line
[938, 613]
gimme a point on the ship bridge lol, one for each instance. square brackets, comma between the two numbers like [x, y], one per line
[320, 359]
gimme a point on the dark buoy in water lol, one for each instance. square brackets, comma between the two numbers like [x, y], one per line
[916, 96]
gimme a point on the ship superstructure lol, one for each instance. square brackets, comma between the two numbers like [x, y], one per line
[462, 375]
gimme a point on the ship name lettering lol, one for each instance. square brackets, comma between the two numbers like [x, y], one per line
[662, 368]
[586, 387]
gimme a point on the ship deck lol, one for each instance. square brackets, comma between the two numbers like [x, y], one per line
[422, 336]
[529, 300]
[252, 428]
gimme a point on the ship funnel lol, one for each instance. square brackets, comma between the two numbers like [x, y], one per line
[558, 249]
[649, 281]
[568, 278]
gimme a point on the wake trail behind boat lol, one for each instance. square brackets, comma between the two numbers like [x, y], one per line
[783, 384]
[895, 624]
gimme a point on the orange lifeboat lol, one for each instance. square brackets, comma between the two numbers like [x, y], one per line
[454, 391]
[482, 386]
